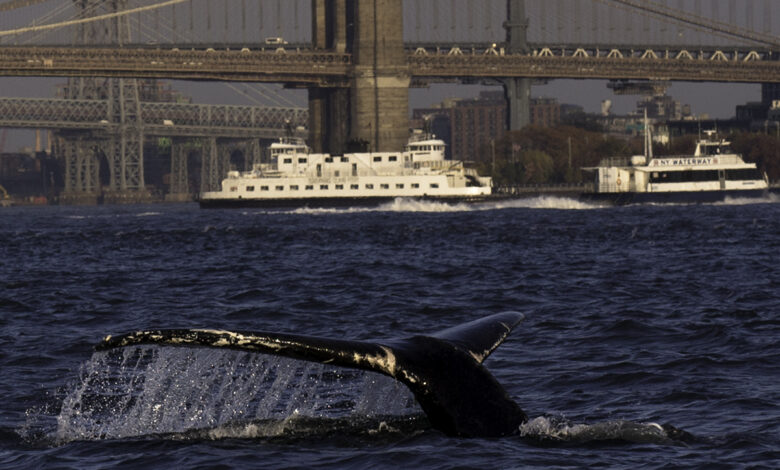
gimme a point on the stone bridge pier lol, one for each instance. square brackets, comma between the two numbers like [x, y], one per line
[373, 112]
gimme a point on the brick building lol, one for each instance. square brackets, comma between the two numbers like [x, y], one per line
[468, 125]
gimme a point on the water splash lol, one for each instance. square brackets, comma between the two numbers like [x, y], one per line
[423, 206]
[556, 429]
[771, 198]
[151, 390]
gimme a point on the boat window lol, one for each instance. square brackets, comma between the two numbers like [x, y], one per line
[280, 188]
[377, 159]
[309, 187]
[399, 186]
[323, 186]
[369, 186]
[288, 160]
[339, 186]
[263, 188]
[684, 176]
[434, 185]
[293, 187]
[743, 174]
[384, 186]
[250, 188]
[354, 186]
[301, 160]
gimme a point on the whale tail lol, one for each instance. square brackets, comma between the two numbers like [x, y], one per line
[443, 370]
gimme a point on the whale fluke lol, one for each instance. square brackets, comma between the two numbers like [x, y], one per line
[443, 370]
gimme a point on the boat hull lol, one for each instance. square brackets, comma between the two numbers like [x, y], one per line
[318, 202]
[673, 197]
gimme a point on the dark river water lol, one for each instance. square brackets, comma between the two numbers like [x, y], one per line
[634, 315]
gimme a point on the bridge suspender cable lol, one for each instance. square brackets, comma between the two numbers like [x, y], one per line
[91, 19]
[695, 21]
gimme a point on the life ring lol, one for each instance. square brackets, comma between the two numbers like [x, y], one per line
[618, 181]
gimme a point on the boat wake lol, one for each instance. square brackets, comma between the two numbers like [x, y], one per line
[771, 198]
[423, 206]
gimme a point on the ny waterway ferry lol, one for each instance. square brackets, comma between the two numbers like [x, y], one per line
[296, 176]
[713, 173]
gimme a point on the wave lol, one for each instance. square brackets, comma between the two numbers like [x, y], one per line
[551, 429]
[427, 206]
[771, 198]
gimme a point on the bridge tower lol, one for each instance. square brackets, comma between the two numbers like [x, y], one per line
[122, 142]
[374, 110]
[517, 90]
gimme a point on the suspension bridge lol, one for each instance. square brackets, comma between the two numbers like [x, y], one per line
[357, 60]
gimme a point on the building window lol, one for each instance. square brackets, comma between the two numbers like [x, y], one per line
[384, 186]
[263, 188]
[301, 160]
[293, 187]
[354, 186]
[288, 160]
[309, 187]
[393, 158]
[323, 186]
[339, 186]
[250, 188]
[369, 186]
[415, 185]
[377, 159]
[233, 189]
[434, 185]
[280, 188]
[399, 186]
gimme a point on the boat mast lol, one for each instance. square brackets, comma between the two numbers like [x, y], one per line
[648, 139]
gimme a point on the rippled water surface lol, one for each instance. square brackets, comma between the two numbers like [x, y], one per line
[665, 314]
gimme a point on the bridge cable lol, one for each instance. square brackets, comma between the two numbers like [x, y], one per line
[698, 22]
[91, 19]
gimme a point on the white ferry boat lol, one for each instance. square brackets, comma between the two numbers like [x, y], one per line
[713, 173]
[297, 177]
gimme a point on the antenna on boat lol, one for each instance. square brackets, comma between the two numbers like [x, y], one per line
[288, 129]
[648, 138]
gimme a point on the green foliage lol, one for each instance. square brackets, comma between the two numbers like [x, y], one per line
[762, 149]
[541, 155]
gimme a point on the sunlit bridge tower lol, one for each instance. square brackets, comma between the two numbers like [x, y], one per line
[120, 144]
